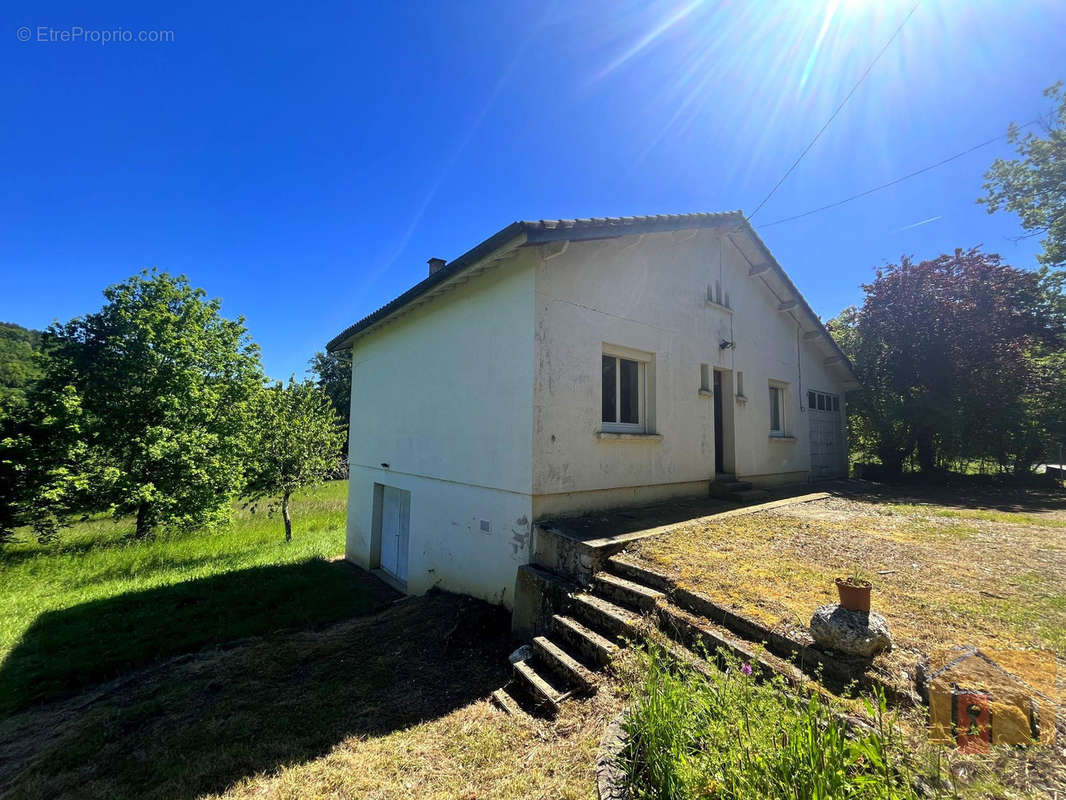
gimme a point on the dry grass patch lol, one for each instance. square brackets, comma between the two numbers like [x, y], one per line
[942, 576]
[388, 706]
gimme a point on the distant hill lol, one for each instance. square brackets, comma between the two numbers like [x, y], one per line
[17, 366]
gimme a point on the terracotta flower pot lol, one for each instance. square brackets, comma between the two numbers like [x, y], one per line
[854, 598]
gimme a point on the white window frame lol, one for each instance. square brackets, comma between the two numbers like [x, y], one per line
[830, 399]
[644, 373]
[783, 417]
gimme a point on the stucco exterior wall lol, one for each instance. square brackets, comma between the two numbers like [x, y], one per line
[443, 396]
[650, 294]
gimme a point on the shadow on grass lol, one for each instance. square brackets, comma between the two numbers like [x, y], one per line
[200, 724]
[75, 647]
[959, 491]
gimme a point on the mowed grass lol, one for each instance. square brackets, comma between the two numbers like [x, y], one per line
[943, 576]
[99, 603]
[230, 664]
[389, 705]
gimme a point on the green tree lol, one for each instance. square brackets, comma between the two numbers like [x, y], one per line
[333, 373]
[143, 408]
[18, 362]
[949, 353]
[1034, 186]
[296, 444]
[9, 480]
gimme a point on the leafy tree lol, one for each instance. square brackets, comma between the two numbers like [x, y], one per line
[296, 444]
[18, 362]
[19, 369]
[947, 354]
[334, 375]
[143, 407]
[1034, 186]
[9, 480]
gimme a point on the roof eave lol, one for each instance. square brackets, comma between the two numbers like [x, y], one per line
[802, 301]
[504, 238]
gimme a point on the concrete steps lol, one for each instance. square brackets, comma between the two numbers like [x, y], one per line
[571, 671]
[748, 496]
[729, 488]
[592, 647]
[539, 686]
[503, 700]
[583, 621]
[625, 592]
[607, 617]
[561, 666]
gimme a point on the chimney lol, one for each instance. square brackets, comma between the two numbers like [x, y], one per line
[436, 264]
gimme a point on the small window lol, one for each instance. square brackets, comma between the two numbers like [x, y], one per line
[705, 378]
[821, 402]
[740, 384]
[836, 403]
[779, 408]
[812, 400]
[623, 397]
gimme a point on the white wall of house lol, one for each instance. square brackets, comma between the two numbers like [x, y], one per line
[649, 294]
[443, 396]
[484, 403]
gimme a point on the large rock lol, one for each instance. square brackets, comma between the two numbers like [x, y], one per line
[855, 633]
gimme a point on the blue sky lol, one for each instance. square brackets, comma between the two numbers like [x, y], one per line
[302, 161]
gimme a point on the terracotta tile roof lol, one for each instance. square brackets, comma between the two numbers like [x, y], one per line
[550, 230]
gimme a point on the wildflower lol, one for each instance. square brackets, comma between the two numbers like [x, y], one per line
[746, 668]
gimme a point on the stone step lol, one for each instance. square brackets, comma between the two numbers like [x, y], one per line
[507, 704]
[727, 488]
[637, 573]
[626, 592]
[572, 672]
[703, 636]
[585, 642]
[539, 687]
[747, 496]
[605, 616]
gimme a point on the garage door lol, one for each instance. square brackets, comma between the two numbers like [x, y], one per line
[827, 436]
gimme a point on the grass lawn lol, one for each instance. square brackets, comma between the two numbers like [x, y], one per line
[391, 705]
[98, 603]
[230, 664]
[945, 573]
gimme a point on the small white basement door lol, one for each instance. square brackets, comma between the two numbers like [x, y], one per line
[395, 531]
[827, 435]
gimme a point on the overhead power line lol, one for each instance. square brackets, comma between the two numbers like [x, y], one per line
[900, 179]
[833, 116]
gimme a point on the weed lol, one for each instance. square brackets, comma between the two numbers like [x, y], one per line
[695, 734]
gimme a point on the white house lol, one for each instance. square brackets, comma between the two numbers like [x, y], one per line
[570, 365]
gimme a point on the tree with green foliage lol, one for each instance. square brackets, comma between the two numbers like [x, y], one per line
[18, 362]
[143, 407]
[955, 356]
[10, 489]
[1034, 186]
[297, 442]
[334, 375]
